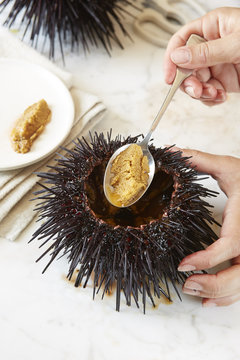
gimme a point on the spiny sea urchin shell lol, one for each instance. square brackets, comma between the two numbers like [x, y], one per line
[70, 21]
[137, 248]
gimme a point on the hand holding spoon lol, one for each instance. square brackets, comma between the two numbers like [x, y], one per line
[181, 75]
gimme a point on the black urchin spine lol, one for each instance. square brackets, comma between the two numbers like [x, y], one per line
[139, 260]
[70, 21]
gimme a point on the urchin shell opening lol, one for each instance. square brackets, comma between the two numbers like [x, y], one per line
[139, 260]
[150, 207]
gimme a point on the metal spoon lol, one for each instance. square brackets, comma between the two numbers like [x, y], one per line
[181, 75]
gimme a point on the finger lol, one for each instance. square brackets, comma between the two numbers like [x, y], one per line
[226, 300]
[193, 87]
[214, 94]
[209, 92]
[209, 53]
[224, 283]
[225, 169]
[203, 75]
[225, 248]
[179, 39]
[205, 162]
[211, 103]
[221, 250]
[223, 301]
[230, 228]
[207, 26]
[215, 83]
[228, 76]
[169, 70]
[219, 99]
[198, 90]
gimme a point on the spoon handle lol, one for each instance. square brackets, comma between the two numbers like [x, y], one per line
[181, 75]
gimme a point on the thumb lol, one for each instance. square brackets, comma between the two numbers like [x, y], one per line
[224, 169]
[209, 53]
[204, 162]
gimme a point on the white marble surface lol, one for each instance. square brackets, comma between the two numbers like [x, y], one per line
[44, 316]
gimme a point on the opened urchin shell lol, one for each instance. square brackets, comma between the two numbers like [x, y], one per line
[71, 22]
[139, 248]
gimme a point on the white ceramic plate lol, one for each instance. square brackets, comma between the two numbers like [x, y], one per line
[21, 85]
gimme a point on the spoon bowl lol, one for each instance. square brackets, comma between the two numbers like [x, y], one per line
[107, 175]
[181, 75]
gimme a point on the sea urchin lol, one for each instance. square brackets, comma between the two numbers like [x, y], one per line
[137, 248]
[70, 21]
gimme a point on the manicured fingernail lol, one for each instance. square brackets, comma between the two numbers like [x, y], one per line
[191, 292]
[189, 90]
[180, 56]
[209, 304]
[192, 285]
[186, 268]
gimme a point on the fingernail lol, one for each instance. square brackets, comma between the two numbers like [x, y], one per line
[208, 93]
[189, 90]
[180, 56]
[209, 304]
[221, 96]
[186, 268]
[191, 292]
[192, 285]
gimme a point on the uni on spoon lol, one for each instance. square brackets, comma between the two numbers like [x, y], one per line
[112, 196]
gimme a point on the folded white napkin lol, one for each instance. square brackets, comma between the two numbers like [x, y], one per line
[17, 186]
